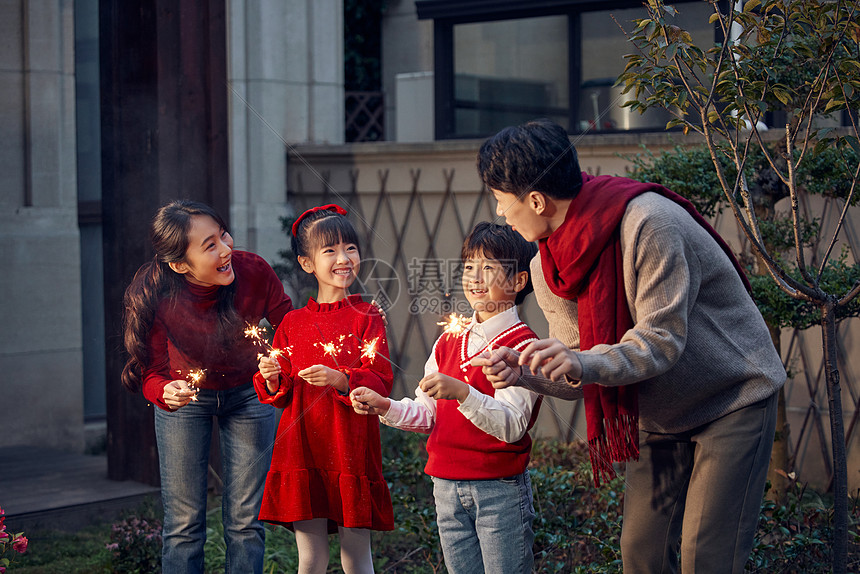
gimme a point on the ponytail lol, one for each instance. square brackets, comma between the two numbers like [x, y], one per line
[152, 282]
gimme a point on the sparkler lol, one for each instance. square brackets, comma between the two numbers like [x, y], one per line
[194, 377]
[331, 348]
[368, 350]
[257, 335]
[455, 325]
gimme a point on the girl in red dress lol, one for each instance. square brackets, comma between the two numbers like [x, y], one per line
[326, 473]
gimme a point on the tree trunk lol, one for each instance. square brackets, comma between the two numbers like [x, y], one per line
[779, 459]
[837, 438]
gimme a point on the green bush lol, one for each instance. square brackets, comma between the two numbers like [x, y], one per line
[135, 545]
[577, 526]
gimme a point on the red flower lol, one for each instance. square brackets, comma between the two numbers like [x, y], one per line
[20, 544]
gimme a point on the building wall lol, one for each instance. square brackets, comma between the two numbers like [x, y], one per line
[41, 379]
[285, 87]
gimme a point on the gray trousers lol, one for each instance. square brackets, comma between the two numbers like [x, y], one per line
[705, 487]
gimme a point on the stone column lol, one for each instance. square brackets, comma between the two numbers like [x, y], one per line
[285, 87]
[40, 285]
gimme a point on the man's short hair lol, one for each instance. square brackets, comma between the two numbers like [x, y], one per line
[536, 155]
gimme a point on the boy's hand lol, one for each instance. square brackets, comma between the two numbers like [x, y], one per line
[500, 366]
[322, 376]
[368, 402]
[439, 386]
[552, 359]
[177, 394]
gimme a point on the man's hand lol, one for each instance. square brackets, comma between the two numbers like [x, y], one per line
[552, 359]
[500, 366]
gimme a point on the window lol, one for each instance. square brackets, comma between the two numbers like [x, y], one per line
[509, 71]
[504, 62]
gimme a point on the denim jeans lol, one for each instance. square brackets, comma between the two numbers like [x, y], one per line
[246, 429]
[486, 525]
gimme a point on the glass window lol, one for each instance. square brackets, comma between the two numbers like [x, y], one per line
[510, 71]
[602, 59]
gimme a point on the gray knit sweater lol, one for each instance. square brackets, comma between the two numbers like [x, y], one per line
[699, 347]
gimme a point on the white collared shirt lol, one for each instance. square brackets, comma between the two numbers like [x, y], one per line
[505, 416]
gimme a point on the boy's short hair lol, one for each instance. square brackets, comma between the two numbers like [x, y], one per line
[502, 243]
[536, 155]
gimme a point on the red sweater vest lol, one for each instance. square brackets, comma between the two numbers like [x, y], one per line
[458, 450]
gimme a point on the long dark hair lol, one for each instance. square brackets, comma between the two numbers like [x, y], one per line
[155, 281]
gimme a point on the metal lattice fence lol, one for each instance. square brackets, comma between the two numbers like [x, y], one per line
[412, 232]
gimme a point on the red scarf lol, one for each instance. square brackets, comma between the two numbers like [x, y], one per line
[581, 261]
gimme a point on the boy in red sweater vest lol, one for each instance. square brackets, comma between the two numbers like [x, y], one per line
[479, 444]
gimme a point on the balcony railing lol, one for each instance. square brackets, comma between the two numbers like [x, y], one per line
[365, 117]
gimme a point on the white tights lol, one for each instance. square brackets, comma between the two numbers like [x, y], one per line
[312, 542]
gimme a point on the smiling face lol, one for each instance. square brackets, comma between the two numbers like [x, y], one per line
[208, 259]
[335, 267]
[488, 288]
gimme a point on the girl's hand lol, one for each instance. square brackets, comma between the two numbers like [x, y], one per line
[500, 366]
[270, 369]
[439, 386]
[551, 358]
[368, 402]
[177, 394]
[321, 376]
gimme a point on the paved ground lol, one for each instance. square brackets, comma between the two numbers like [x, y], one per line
[41, 487]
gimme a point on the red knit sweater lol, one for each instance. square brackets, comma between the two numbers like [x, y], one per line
[182, 336]
[457, 449]
[327, 460]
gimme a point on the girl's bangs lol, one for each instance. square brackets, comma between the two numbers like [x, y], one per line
[333, 230]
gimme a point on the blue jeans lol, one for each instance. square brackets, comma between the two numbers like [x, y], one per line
[486, 525]
[247, 430]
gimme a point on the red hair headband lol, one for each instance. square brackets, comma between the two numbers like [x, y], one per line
[330, 207]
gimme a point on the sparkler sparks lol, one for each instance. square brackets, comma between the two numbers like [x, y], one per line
[330, 349]
[258, 335]
[455, 325]
[368, 350]
[194, 378]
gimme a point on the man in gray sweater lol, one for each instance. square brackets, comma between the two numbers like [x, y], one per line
[650, 318]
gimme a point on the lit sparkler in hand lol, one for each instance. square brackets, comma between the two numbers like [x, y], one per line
[194, 377]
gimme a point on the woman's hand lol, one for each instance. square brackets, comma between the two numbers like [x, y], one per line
[270, 369]
[177, 394]
[321, 376]
[368, 402]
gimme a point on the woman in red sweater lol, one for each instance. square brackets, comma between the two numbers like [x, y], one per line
[185, 314]
[326, 473]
